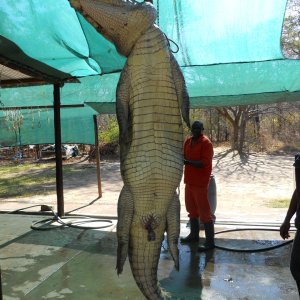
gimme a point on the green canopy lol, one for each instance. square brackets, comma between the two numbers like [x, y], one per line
[229, 51]
[52, 33]
[36, 126]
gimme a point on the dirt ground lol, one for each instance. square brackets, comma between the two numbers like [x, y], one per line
[245, 187]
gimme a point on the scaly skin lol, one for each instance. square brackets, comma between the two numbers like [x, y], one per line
[151, 99]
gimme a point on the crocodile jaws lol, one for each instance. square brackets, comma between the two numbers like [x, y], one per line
[151, 102]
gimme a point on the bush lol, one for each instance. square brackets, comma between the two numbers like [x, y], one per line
[108, 137]
[110, 134]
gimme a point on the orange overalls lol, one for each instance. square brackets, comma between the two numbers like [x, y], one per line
[197, 179]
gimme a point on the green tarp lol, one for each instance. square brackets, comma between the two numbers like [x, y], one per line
[223, 31]
[229, 51]
[37, 126]
[51, 32]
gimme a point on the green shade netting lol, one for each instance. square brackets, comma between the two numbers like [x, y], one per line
[37, 126]
[77, 123]
[223, 31]
[93, 87]
[218, 85]
[51, 32]
[229, 51]
[206, 31]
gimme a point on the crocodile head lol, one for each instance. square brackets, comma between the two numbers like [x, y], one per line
[120, 21]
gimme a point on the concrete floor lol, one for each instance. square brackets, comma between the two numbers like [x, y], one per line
[79, 264]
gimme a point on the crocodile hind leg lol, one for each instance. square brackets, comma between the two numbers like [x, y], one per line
[125, 212]
[173, 229]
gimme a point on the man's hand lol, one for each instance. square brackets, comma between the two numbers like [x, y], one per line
[195, 163]
[284, 230]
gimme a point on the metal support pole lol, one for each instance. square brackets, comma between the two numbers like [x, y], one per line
[58, 153]
[97, 156]
[297, 173]
[1, 294]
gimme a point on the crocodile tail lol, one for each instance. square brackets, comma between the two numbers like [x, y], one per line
[144, 259]
[144, 253]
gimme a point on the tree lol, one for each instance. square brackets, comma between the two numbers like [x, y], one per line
[290, 38]
[238, 117]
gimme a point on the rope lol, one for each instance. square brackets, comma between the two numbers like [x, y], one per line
[169, 44]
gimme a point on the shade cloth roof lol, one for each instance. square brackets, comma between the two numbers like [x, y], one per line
[229, 51]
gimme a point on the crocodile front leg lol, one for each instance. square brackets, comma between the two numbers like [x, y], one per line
[123, 115]
[181, 90]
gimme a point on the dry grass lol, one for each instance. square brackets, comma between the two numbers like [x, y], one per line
[279, 203]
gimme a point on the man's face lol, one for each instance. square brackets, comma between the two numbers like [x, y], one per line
[197, 130]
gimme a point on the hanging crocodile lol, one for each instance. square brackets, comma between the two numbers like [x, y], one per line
[151, 102]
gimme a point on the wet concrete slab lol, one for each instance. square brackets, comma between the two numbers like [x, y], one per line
[73, 263]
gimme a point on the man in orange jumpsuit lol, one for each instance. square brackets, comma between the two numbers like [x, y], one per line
[198, 155]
